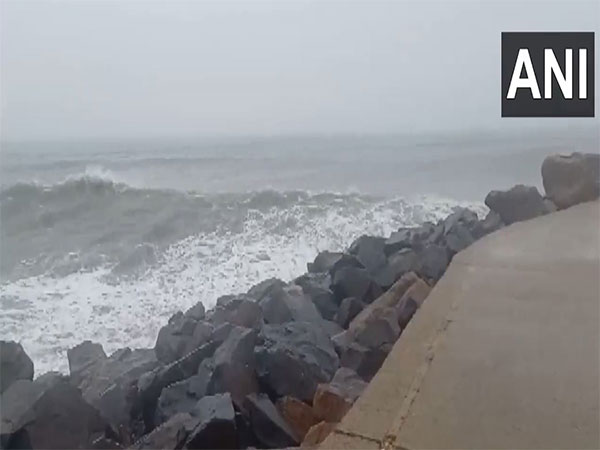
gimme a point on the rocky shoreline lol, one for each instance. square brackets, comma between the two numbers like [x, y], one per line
[277, 366]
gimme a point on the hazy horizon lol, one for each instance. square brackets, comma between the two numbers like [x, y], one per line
[108, 70]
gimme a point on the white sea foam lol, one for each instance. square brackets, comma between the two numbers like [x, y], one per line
[49, 314]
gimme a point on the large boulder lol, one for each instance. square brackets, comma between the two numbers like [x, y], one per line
[349, 309]
[240, 310]
[333, 400]
[81, 359]
[216, 428]
[370, 252]
[298, 414]
[110, 384]
[332, 261]
[171, 435]
[293, 358]
[289, 304]
[234, 367]
[150, 384]
[317, 287]
[260, 290]
[355, 282]
[517, 203]
[571, 179]
[366, 362]
[14, 364]
[172, 341]
[48, 415]
[181, 397]
[268, 425]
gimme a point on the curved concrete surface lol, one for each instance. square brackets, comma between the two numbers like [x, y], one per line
[504, 352]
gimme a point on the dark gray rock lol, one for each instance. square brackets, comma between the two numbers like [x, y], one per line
[216, 427]
[110, 384]
[269, 427]
[398, 263]
[181, 397]
[151, 384]
[289, 304]
[238, 310]
[330, 262]
[489, 224]
[260, 290]
[317, 287]
[516, 204]
[196, 312]
[571, 179]
[410, 237]
[172, 340]
[457, 238]
[370, 252]
[82, 357]
[48, 415]
[432, 262]
[170, 435]
[234, 366]
[379, 328]
[355, 282]
[293, 358]
[349, 309]
[14, 364]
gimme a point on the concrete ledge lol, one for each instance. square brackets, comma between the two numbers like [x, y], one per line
[504, 352]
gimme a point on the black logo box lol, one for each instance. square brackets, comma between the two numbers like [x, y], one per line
[524, 105]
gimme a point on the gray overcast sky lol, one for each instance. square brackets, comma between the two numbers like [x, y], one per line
[142, 69]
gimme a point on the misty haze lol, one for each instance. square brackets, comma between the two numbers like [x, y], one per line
[158, 155]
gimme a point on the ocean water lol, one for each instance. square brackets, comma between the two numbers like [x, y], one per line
[104, 240]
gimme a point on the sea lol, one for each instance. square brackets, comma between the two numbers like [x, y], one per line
[105, 239]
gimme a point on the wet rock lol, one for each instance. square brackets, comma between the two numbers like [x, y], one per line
[170, 435]
[289, 304]
[432, 262]
[264, 288]
[516, 204]
[172, 339]
[409, 238]
[110, 384]
[412, 300]
[457, 238]
[317, 434]
[349, 309]
[354, 282]
[398, 263]
[234, 366]
[203, 332]
[366, 362]
[489, 224]
[49, 415]
[196, 312]
[181, 397]
[571, 179]
[349, 382]
[293, 358]
[332, 261]
[316, 287]
[216, 424]
[82, 357]
[299, 415]
[14, 364]
[370, 252]
[238, 310]
[268, 425]
[151, 383]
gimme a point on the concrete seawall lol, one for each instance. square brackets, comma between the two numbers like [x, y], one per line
[504, 352]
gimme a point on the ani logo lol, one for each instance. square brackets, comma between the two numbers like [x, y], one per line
[548, 74]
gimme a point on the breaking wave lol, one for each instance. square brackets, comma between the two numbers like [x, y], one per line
[94, 258]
